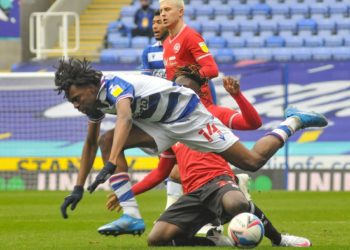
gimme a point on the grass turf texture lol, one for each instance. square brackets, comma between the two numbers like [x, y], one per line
[31, 220]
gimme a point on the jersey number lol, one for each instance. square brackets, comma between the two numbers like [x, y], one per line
[209, 131]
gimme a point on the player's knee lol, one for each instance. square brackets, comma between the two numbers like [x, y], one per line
[156, 240]
[235, 202]
[105, 141]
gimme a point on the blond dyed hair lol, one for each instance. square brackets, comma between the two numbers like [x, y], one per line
[179, 3]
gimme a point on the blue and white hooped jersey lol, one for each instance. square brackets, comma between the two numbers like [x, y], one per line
[153, 98]
[152, 60]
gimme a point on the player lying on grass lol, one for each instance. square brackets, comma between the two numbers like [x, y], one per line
[196, 168]
[164, 113]
[211, 194]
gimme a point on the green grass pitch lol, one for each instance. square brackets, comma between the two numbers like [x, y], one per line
[31, 220]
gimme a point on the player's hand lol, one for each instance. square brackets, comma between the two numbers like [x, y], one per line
[231, 85]
[72, 199]
[113, 203]
[102, 176]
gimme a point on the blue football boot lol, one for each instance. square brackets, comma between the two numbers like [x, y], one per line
[307, 119]
[124, 225]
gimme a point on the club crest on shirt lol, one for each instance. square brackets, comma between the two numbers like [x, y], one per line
[204, 47]
[176, 47]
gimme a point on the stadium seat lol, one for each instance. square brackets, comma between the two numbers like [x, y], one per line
[247, 34]
[215, 3]
[190, 12]
[307, 24]
[261, 9]
[224, 56]
[211, 25]
[325, 24]
[243, 54]
[341, 53]
[128, 11]
[281, 54]
[232, 26]
[338, 8]
[128, 21]
[116, 41]
[255, 42]
[321, 53]
[313, 41]
[262, 54]
[205, 10]
[301, 54]
[195, 25]
[208, 34]
[333, 41]
[128, 55]
[244, 10]
[318, 8]
[235, 42]
[347, 41]
[268, 25]
[250, 25]
[287, 24]
[139, 42]
[274, 41]
[223, 10]
[343, 23]
[294, 41]
[301, 9]
[109, 56]
[280, 9]
[216, 42]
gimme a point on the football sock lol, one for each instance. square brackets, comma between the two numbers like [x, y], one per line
[194, 241]
[121, 186]
[270, 231]
[286, 129]
[174, 192]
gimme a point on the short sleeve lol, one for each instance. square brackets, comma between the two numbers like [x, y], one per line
[119, 89]
[146, 68]
[198, 46]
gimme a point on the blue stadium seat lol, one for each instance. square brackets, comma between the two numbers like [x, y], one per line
[215, 3]
[128, 22]
[116, 41]
[243, 54]
[281, 54]
[307, 24]
[262, 54]
[139, 42]
[224, 56]
[128, 11]
[287, 24]
[294, 41]
[232, 26]
[247, 34]
[250, 25]
[338, 7]
[261, 9]
[341, 53]
[269, 25]
[208, 34]
[109, 56]
[223, 10]
[321, 53]
[301, 54]
[301, 8]
[244, 10]
[333, 41]
[129, 55]
[313, 41]
[347, 41]
[255, 42]
[211, 25]
[223, 19]
[195, 25]
[280, 9]
[319, 8]
[274, 41]
[205, 10]
[235, 42]
[343, 23]
[216, 42]
[114, 26]
[190, 12]
[325, 24]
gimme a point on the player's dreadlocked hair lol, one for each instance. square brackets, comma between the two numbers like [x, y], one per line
[191, 71]
[75, 72]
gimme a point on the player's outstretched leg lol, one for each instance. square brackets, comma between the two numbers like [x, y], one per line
[124, 225]
[307, 119]
[293, 241]
[130, 222]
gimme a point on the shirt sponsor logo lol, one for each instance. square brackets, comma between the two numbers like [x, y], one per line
[176, 47]
[204, 47]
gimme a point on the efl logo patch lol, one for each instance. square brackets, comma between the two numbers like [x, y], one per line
[203, 47]
[116, 91]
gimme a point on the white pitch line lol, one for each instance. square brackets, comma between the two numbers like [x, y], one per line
[319, 69]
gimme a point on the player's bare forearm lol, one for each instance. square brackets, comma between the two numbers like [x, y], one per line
[89, 152]
[122, 129]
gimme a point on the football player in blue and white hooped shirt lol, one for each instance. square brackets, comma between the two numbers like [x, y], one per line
[164, 113]
[152, 56]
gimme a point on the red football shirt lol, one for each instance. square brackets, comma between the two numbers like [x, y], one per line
[188, 47]
[197, 168]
